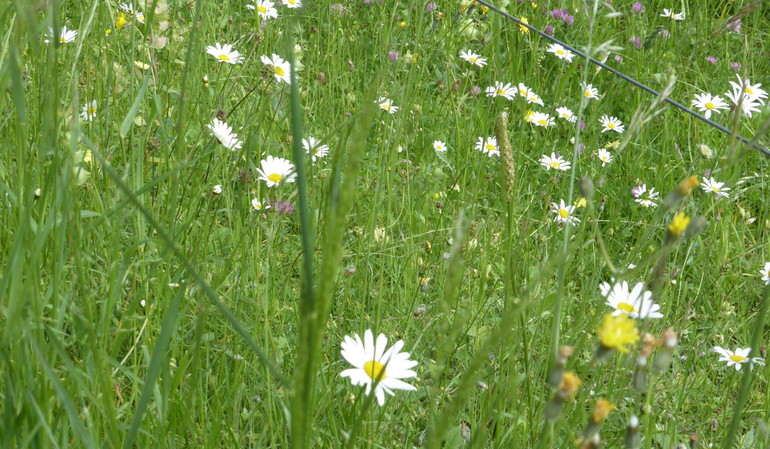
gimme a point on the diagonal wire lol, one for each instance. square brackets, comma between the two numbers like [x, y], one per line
[636, 83]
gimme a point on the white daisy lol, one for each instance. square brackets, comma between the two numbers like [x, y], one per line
[645, 198]
[257, 205]
[534, 98]
[612, 124]
[566, 114]
[386, 104]
[224, 133]
[672, 15]
[707, 104]
[554, 162]
[590, 92]
[225, 53]
[65, 36]
[748, 106]
[604, 156]
[752, 91]
[737, 357]
[265, 9]
[636, 303]
[88, 112]
[501, 90]
[710, 185]
[377, 366]
[473, 58]
[216, 190]
[439, 146]
[280, 67]
[564, 213]
[488, 146]
[541, 119]
[314, 148]
[523, 90]
[128, 8]
[293, 3]
[275, 170]
[765, 272]
[561, 52]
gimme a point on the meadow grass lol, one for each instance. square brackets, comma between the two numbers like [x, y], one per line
[143, 307]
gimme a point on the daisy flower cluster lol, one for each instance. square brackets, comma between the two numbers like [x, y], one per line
[744, 96]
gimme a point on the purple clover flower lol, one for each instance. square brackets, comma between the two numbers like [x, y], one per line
[637, 8]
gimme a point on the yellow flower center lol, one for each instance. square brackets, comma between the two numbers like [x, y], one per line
[611, 125]
[748, 90]
[385, 107]
[560, 52]
[715, 188]
[737, 358]
[489, 147]
[543, 122]
[224, 58]
[62, 40]
[500, 92]
[554, 164]
[710, 105]
[292, 2]
[91, 110]
[275, 177]
[626, 307]
[375, 370]
[563, 213]
[472, 59]
[261, 9]
[587, 93]
[279, 71]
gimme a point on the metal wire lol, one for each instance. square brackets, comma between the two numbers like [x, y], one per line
[636, 83]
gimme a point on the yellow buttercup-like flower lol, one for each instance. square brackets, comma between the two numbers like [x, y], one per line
[616, 332]
[678, 225]
[602, 408]
[121, 22]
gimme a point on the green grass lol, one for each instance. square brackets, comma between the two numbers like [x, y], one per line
[141, 310]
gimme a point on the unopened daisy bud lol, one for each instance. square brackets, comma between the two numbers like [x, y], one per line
[633, 438]
[640, 374]
[555, 378]
[706, 151]
[695, 227]
[586, 187]
[216, 190]
[663, 360]
[205, 81]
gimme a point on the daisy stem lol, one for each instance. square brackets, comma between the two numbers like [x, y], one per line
[748, 374]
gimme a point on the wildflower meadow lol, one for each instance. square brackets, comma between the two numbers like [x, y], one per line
[384, 224]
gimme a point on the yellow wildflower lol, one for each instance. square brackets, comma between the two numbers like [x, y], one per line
[686, 186]
[678, 225]
[616, 332]
[121, 22]
[569, 384]
[522, 28]
[602, 408]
